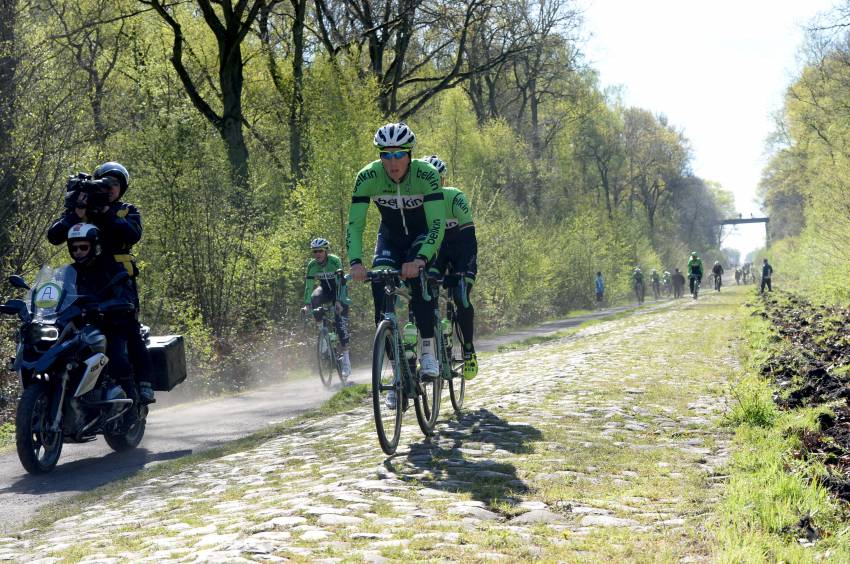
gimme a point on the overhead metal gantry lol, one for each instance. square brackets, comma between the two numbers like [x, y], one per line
[740, 219]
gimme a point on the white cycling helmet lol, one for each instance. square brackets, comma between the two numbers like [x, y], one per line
[395, 135]
[320, 243]
[437, 163]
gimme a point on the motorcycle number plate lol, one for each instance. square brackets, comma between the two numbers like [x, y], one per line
[48, 295]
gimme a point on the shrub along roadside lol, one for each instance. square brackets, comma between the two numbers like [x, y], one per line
[776, 507]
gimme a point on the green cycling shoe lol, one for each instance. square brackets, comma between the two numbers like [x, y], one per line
[470, 366]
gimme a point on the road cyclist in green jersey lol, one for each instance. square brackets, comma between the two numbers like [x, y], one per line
[409, 197]
[459, 254]
[637, 284]
[655, 280]
[695, 271]
[321, 287]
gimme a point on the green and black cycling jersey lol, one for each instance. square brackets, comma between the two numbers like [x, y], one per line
[458, 213]
[324, 274]
[695, 268]
[637, 277]
[411, 207]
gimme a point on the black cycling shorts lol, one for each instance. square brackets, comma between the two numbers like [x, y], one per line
[460, 254]
[393, 250]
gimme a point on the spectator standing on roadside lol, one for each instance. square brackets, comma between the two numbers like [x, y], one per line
[600, 289]
[678, 284]
[766, 273]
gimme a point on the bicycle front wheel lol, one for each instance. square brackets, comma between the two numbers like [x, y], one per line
[386, 388]
[325, 354]
[427, 402]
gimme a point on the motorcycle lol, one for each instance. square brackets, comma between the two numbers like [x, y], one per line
[69, 394]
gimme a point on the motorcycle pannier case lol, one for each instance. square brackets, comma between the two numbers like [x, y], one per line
[168, 357]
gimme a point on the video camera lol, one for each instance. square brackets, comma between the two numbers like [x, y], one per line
[95, 191]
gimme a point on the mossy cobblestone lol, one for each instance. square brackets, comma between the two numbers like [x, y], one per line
[601, 445]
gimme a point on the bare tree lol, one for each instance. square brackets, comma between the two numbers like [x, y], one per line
[230, 23]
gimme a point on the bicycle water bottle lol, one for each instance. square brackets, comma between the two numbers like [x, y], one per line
[408, 337]
[447, 327]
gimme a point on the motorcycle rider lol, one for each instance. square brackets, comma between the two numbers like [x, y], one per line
[120, 227]
[95, 269]
[460, 250]
[321, 287]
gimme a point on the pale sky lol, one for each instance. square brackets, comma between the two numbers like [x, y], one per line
[716, 69]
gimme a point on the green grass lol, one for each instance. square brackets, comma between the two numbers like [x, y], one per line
[7, 436]
[770, 486]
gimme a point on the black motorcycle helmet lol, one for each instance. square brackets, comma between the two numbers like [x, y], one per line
[114, 170]
[84, 233]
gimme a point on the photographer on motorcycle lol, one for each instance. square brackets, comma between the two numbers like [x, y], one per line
[95, 270]
[98, 202]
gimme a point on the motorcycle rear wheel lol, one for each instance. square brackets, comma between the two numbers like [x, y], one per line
[130, 439]
[38, 448]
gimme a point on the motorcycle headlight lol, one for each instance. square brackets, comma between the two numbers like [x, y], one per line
[38, 333]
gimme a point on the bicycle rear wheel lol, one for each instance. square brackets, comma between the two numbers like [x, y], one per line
[327, 362]
[386, 378]
[457, 385]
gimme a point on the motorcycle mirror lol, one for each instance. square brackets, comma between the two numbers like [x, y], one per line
[18, 282]
[13, 307]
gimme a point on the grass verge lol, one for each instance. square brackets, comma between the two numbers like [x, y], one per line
[775, 508]
[7, 436]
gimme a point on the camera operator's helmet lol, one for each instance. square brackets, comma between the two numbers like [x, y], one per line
[84, 233]
[114, 170]
[437, 163]
[395, 135]
[320, 244]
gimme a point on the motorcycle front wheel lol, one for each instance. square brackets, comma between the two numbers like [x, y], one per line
[38, 447]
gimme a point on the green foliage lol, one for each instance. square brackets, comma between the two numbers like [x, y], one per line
[580, 186]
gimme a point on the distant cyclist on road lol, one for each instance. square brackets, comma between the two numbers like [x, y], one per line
[717, 271]
[637, 283]
[666, 281]
[694, 272]
[459, 253]
[655, 279]
[737, 275]
[321, 287]
[408, 195]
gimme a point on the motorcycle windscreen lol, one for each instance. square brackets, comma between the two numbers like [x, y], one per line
[54, 290]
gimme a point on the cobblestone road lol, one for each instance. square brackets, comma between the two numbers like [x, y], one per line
[602, 445]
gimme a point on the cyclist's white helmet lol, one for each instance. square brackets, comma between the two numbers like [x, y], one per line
[437, 163]
[320, 243]
[395, 135]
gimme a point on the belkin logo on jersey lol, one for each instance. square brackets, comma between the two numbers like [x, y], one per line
[409, 202]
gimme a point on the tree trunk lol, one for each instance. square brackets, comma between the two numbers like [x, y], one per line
[231, 79]
[8, 176]
[296, 105]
